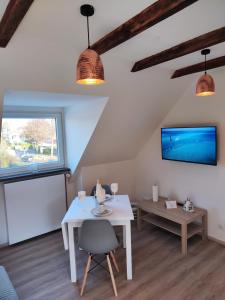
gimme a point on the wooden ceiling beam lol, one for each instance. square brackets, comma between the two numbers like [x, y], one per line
[150, 16]
[203, 41]
[14, 14]
[211, 64]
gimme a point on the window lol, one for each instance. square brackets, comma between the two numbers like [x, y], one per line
[31, 142]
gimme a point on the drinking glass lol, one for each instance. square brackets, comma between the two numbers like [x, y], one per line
[81, 195]
[114, 188]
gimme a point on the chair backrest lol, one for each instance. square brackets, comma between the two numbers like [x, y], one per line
[97, 237]
[106, 187]
[7, 290]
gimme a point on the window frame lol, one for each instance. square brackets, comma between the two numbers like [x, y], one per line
[35, 168]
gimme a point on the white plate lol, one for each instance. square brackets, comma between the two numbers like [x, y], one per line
[95, 211]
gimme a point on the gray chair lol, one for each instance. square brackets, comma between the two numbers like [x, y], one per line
[7, 291]
[106, 187]
[98, 237]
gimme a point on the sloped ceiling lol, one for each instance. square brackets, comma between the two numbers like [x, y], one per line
[45, 48]
[3, 5]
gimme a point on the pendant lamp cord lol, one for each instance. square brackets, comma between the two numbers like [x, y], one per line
[205, 65]
[88, 32]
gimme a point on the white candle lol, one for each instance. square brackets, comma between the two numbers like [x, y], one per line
[155, 193]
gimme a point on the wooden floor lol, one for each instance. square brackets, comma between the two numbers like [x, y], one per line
[39, 270]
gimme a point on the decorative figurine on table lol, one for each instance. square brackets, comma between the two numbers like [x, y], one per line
[100, 193]
[188, 205]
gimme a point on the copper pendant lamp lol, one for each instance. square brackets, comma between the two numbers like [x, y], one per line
[205, 85]
[89, 66]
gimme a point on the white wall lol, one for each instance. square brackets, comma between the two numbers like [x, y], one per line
[3, 226]
[121, 172]
[204, 184]
[80, 123]
[34, 207]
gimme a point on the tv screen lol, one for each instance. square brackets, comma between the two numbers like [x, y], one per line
[190, 144]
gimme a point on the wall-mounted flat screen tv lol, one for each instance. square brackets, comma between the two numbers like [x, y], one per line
[190, 144]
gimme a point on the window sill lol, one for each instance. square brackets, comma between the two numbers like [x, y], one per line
[29, 176]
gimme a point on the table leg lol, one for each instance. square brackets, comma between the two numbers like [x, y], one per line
[139, 218]
[128, 251]
[65, 236]
[124, 236]
[205, 227]
[73, 269]
[184, 239]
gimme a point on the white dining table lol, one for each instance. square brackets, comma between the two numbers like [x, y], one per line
[80, 210]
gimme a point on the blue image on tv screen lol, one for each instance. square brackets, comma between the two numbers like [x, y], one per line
[194, 144]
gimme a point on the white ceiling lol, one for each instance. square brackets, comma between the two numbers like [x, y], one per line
[44, 50]
[47, 100]
[3, 5]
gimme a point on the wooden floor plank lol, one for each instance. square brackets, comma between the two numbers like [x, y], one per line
[39, 269]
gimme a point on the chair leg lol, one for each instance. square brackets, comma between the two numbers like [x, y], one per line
[114, 261]
[111, 274]
[85, 274]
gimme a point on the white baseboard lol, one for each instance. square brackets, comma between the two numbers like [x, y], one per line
[211, 238]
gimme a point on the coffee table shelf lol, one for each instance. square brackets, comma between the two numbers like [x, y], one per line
[171, 226]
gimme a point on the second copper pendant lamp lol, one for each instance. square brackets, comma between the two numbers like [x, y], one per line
[89, 67]
[205, 85]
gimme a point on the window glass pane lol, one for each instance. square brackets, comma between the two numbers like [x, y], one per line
[28, 141]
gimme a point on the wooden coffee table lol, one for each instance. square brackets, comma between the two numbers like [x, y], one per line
[176, 220]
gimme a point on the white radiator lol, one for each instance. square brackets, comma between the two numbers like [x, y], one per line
[34, 207]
